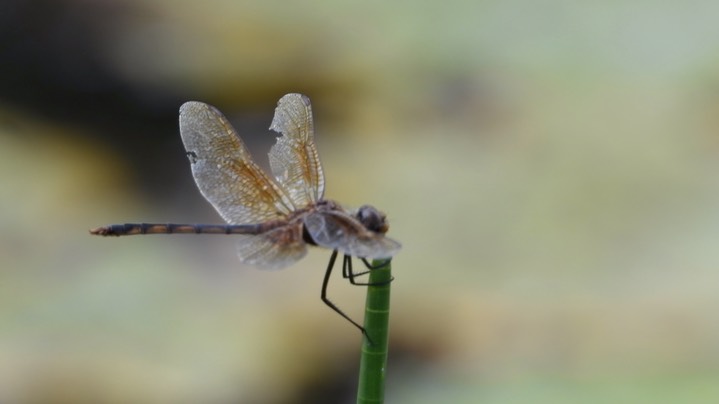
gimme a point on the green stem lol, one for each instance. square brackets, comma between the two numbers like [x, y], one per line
[376, 322]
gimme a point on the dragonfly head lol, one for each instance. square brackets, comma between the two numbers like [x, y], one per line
[372, 219]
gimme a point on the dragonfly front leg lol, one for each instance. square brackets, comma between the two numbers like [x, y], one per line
[348, 273]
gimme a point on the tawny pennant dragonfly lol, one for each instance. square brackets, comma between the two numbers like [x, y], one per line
[273, 220]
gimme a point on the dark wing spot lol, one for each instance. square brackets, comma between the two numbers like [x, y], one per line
[192, 156]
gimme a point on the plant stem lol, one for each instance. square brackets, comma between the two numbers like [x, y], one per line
[376, 323]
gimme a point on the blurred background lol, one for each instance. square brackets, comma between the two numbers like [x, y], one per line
[549, 167]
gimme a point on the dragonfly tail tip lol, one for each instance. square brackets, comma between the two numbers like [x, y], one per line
[101, 231]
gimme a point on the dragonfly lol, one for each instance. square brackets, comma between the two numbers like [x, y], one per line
[274, 220]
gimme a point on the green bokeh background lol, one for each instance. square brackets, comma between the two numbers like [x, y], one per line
[550, 168]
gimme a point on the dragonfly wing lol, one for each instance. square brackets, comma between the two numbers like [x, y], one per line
[294, 159]
[275, 249]
[224, 171]
[340, 231]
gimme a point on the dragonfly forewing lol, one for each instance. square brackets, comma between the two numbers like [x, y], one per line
[293, 159]
[224, 170]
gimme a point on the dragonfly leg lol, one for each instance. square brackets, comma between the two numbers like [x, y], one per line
[348, 273]
[331, 305]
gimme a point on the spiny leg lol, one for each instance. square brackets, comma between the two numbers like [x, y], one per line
[331, 305]
[347, 272]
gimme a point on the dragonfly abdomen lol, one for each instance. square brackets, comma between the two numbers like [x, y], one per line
[129, 229]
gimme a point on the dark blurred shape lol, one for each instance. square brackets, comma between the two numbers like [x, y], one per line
[59, 63]
[52, 65]
[338, 382]
[337, 385]
[51, 62]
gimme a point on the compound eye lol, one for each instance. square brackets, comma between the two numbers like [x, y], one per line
[372, 219]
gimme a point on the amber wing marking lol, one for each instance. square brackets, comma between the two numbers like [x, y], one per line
[224, 170]
[294, 159]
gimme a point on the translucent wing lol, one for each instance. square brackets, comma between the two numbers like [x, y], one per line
[294, 159]
[224, 171]
[340, 231]
[275, 249]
